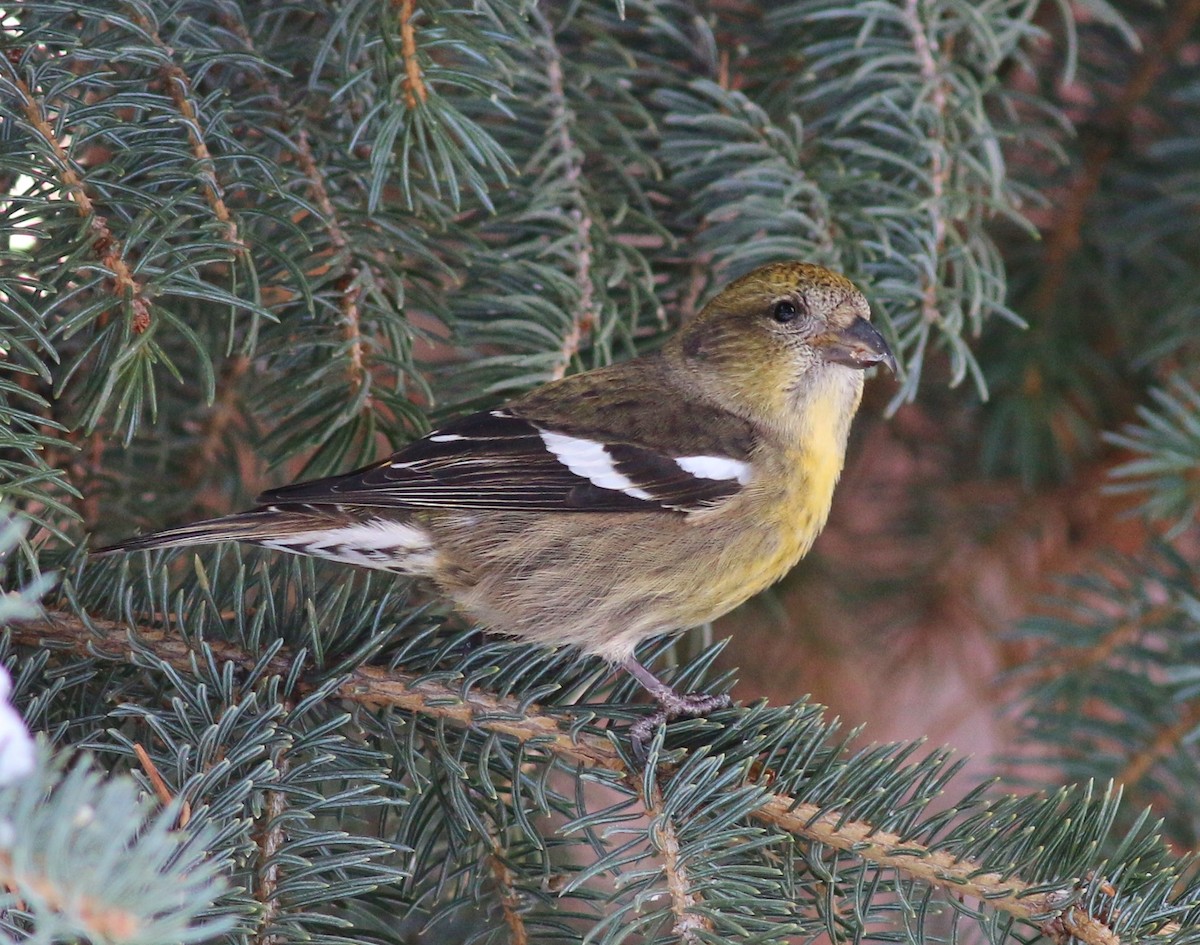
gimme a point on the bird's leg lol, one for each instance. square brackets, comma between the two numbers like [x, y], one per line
[671, 704]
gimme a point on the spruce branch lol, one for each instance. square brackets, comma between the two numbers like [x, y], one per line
[369, 686]
[350, 283]
[925, 47]
[1168, 739]
[179, 87]
[1165, 443]
[365, 155]
[350, 290]
[584, 315]
[1100, 652]
[105, 246]
[102, 922]
[683, 900]
[270, 842]
[376, 687]
[510, 898]
[1065, 238]
[86, 857]
[1112, 687]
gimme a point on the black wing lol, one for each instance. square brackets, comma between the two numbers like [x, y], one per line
[498, 460]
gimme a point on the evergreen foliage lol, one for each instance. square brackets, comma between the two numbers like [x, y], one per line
[249, 241]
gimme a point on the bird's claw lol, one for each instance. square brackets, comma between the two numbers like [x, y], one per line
[672, 705]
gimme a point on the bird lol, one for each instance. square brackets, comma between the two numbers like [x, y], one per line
[616, 504]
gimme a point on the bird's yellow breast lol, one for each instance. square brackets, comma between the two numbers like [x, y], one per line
[821, 457]
[802, 516]
[812, 466]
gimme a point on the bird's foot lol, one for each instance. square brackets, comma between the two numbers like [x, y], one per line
[672, 705]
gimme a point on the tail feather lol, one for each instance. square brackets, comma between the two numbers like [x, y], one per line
[387, 542]
[254, 525]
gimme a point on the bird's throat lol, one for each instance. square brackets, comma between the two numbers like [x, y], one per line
[823, 426]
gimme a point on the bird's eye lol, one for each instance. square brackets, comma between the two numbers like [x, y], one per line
[784, 311]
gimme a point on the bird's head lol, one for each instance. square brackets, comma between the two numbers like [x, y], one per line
[779, 333]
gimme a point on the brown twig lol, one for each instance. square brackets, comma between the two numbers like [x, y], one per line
[161, 791]
[179, 87]
[698, 272]
[683, 901]
[349, 293]
[926, 51]
[1064, 240]
[414, 83]
[377, 687]
[220, 418]
[585, 316]
[510, 899]
[367, 685]
[317, 187]
[349, 284]
[104, 244]
[82, 465]
[165, 797]
[269, 842]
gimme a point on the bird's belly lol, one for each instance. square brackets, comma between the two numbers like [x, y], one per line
[605, 588]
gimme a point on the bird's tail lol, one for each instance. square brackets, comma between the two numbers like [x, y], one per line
[386, 540]
[253, 526]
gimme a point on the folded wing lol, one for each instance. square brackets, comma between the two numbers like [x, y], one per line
[500, 460]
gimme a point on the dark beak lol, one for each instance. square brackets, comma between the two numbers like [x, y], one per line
[858, 346]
